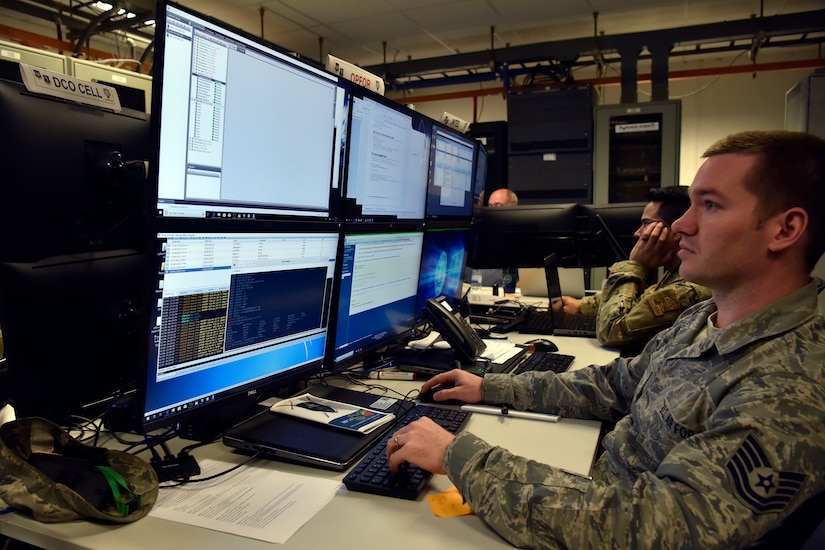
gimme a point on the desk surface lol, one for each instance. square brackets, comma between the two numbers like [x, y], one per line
[352, 520]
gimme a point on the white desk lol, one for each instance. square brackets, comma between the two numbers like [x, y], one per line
[352, 520]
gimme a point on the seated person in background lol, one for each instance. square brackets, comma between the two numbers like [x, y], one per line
[718, 435]
[503, 197]
[628, 312]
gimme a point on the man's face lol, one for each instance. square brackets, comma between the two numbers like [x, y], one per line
[721, 242]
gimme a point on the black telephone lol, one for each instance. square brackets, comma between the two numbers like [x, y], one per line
[453, 328]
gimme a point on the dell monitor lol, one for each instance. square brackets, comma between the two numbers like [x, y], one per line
[232, 316]
[450, 188]
[377, 296]
[244, 129]
[389, 147]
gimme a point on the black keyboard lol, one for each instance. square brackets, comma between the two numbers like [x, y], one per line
[544, 361]
[372, 475]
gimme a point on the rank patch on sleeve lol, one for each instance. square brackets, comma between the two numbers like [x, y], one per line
[664, 303]
[756, 483]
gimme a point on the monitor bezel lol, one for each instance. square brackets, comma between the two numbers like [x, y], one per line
[351, 213]
[233, 405]
[239, 211]
[379, 351]
[466, 211]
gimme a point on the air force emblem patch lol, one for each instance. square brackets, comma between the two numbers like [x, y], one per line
[756, 483]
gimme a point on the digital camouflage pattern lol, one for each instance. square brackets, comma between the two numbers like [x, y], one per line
[629, 313]
[26, 488]
[718, 437]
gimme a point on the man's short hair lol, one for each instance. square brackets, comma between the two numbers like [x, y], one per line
[789, 172]
[673, 202]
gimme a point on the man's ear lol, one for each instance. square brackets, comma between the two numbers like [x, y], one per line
[789, 228]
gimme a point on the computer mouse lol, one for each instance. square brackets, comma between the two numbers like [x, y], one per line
[313, 406]
[542, 344]
[427, 396]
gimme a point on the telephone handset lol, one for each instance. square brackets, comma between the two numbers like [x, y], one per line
[464, 340]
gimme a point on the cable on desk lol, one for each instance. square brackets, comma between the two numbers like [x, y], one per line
[214, 476]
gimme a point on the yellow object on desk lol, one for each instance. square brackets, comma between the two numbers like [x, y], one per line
[449, 504]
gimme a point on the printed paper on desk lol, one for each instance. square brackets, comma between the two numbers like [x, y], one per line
[332, 413]
[499, 351]
[249, 502]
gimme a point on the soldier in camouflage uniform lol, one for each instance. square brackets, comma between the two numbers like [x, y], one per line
[628, 312]
[719, 421]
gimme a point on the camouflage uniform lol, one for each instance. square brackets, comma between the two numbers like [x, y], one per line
[628, 314]
[716, 441]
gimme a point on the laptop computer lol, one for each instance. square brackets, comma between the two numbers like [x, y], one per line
[555, 321]
[293, 439]
[533, 281]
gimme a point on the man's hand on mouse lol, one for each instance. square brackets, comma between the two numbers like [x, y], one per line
[466, 386]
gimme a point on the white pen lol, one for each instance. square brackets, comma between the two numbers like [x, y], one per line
[505, 411]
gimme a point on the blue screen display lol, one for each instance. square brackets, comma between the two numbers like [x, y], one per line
[442, 266]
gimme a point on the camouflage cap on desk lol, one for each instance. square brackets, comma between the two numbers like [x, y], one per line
[26, 488]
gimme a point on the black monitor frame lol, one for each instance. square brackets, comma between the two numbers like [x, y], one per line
[482, 160]
[451, 181]
[71, 332]
[444, 257]
[378, 331]
[274, 351]
[273, 148]
[370, 193]
[622, 219]
[73, 176]
[521, 236]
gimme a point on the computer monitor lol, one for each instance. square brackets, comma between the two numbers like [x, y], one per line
[521, 236]
[389, 147]
[479, 173]
[450, 189]
[244, 129]
[442, 266]
[71, 332]
[73, 175]
[231, 317]
[377, 296]
[622, 219]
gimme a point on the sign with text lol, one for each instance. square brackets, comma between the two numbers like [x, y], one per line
[41, 81]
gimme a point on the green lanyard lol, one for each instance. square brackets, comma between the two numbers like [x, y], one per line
[126, 500]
